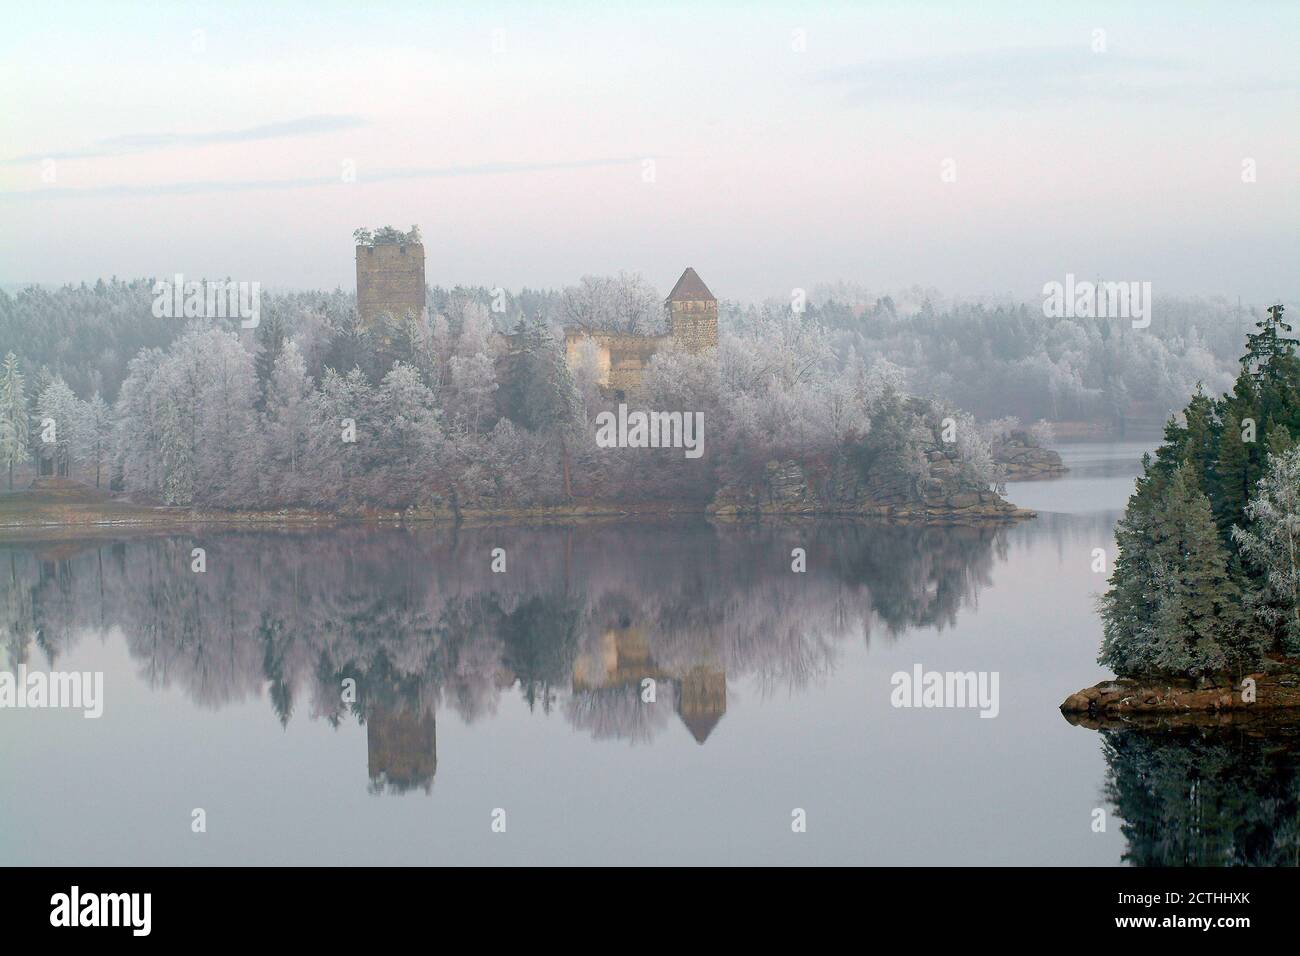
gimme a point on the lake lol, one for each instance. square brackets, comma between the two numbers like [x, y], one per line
[369, 695]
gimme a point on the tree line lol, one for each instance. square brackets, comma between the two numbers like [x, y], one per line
[444, 410]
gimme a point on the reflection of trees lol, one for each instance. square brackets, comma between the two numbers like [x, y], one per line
[1206, 796]
[420, 622]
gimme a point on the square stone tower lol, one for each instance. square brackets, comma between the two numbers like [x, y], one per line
[390, 278]
[693, 313]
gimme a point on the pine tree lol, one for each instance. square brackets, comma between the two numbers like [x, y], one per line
[1234, 473]
[1198, 627]
[1172, 607]
[1268, 343]
[14, 434]
[271, 335]
[1127, 610]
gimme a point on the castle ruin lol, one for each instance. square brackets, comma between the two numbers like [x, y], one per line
[622, 357]
[390, 282]
[390, 278]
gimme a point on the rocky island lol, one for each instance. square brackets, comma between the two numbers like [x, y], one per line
[1203, 610]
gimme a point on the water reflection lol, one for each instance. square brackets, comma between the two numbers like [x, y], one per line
[418, 620]
[1202, 794]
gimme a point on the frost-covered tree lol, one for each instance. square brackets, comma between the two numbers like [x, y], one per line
[94, 435]
[1271, 542]
[13, 417]
[407, 437]
[621, 303]
[288, 408]
[56, 407]
[473, 391]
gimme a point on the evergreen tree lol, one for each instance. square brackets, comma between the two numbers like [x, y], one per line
[1269, 343]
[1127, 645]
[1172, 608]
[272, 332]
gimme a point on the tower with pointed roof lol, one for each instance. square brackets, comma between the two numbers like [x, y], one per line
[693, 313]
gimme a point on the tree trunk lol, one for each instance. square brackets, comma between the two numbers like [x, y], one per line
[564, 452]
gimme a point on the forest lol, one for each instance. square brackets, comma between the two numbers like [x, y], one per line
[443, 410]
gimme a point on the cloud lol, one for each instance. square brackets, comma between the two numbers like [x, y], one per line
[147, 142]
[374, 176]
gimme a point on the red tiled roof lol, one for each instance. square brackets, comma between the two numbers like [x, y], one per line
[690, 287]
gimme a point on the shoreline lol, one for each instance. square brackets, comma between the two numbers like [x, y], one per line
[54, 518]
[1276, 694]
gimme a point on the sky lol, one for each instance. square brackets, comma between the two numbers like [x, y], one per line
[981, 148]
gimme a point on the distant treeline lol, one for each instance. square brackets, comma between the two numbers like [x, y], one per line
[1010, 360]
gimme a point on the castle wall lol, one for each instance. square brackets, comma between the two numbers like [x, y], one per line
[390, 278]
[621, 358]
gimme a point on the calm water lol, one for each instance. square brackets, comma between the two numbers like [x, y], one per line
[522, 691]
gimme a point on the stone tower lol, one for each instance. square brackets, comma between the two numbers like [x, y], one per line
[693, 313]
[390, 278]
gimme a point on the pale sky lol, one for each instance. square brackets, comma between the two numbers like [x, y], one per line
[212, 139]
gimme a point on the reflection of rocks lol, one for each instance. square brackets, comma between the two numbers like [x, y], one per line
[1023, 459]
[1206, 796]
[418, 620]
[402, 749]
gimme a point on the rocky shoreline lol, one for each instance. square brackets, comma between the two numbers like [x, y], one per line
[1023, 459]
[1275, 690]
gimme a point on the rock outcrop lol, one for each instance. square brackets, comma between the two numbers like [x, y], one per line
[1275, 689]
[1023, 459]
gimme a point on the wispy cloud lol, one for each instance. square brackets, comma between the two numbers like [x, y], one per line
[372, 176]
[148, 142]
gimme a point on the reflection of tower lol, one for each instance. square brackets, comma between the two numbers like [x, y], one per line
[623, 659]
[402, 747]
[702, 700]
